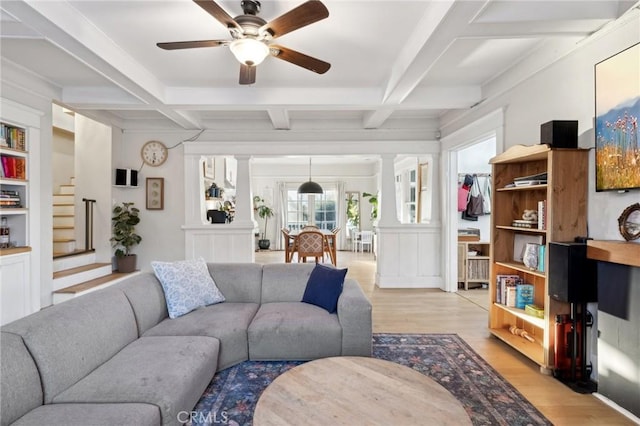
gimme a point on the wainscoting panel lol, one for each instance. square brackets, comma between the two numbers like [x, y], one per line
[219, 243]
[409, 256]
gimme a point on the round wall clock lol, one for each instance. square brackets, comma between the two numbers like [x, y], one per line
[154, 153]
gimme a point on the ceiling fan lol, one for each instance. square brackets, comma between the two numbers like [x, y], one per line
[252, 36]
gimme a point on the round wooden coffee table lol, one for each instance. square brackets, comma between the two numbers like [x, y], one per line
[356, 390]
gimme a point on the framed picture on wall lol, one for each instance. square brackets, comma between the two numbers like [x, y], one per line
[155, 193]
[209, 168]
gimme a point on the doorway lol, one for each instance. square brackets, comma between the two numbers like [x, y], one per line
[487, 128]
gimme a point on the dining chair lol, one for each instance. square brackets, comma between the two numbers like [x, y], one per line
[289, 245]
[310, 244]
[366, 239]
[310, 228]
[355, 238]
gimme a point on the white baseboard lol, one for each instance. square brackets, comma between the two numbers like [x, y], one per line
[618, 408]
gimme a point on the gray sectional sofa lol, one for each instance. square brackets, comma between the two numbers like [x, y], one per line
[113, 357]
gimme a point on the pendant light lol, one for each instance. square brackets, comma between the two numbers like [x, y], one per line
[310, 187]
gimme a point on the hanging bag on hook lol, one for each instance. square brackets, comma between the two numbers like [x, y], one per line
[463, 197]
[486, 196]
[475, 204]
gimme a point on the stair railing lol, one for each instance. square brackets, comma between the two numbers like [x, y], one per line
[88, 223]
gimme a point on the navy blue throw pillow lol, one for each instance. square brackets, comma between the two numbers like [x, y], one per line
[324, 287]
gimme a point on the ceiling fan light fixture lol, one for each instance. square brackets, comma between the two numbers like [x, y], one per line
[249, 51]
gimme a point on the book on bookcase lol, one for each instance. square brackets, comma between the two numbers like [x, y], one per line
[524, 295]
[503, 284]
[542, 214]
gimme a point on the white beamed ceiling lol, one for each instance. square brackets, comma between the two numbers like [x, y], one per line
[395, 64]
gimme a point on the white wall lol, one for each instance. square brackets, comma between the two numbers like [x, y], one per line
[62, 158]
[63, 141]
[162, 236]
[93, 181]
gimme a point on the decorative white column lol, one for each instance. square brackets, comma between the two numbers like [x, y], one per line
[408, 255]
[387, 215]
[244, 203]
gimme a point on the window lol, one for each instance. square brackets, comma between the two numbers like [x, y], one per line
[322, 207]
[325, 209]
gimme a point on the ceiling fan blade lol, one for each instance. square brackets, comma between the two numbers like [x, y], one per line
[300, 59]
[174, 45]
[247, 74]
[303, 15]
[217, 12]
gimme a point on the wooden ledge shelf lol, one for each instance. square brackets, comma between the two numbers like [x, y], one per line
[14, 250]
[622, 252]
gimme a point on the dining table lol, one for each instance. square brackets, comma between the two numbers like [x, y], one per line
[330, 240]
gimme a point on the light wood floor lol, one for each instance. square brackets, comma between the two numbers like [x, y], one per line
[465, 313]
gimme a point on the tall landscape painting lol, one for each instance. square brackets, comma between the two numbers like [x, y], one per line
[617, 85]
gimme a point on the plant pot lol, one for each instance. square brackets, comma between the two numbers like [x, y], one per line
[126, 263]
[264, 244]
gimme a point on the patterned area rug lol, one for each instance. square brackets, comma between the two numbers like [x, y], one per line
[488, 398]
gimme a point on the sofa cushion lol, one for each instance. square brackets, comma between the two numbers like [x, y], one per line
[285, 282]
[71, 339]
[20, 387]
[146, 297]
[227, 322]
[187, 285]
[324, 287]
[354, 312]
[92, 414]
[239, 282]
[294, 331]
[171, 372]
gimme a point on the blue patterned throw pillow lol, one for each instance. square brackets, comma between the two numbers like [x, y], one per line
[187, 285]
[324, 287]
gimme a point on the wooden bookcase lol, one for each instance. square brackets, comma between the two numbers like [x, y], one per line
[566, 208]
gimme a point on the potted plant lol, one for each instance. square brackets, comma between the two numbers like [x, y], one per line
[264, 212]
[124, 220]
[373, 199]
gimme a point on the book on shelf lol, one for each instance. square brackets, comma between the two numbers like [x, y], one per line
[522, 223]
[542, 249]
[10, 199]
[542, 214]
[12, 137]
[13, 167]
[504, 282]
[538, 176]
[510, 296]
[524, 295]
[534, 310]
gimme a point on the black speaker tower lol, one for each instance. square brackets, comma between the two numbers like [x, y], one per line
[573, 278]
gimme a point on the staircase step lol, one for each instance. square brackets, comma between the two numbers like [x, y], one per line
[64, 245]
[72, 276]
[63, 199]
[58, 256]
[88, 286]
[62, 220]
[67, 189]
[64, 209]
[63, 233]
[73, 259]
